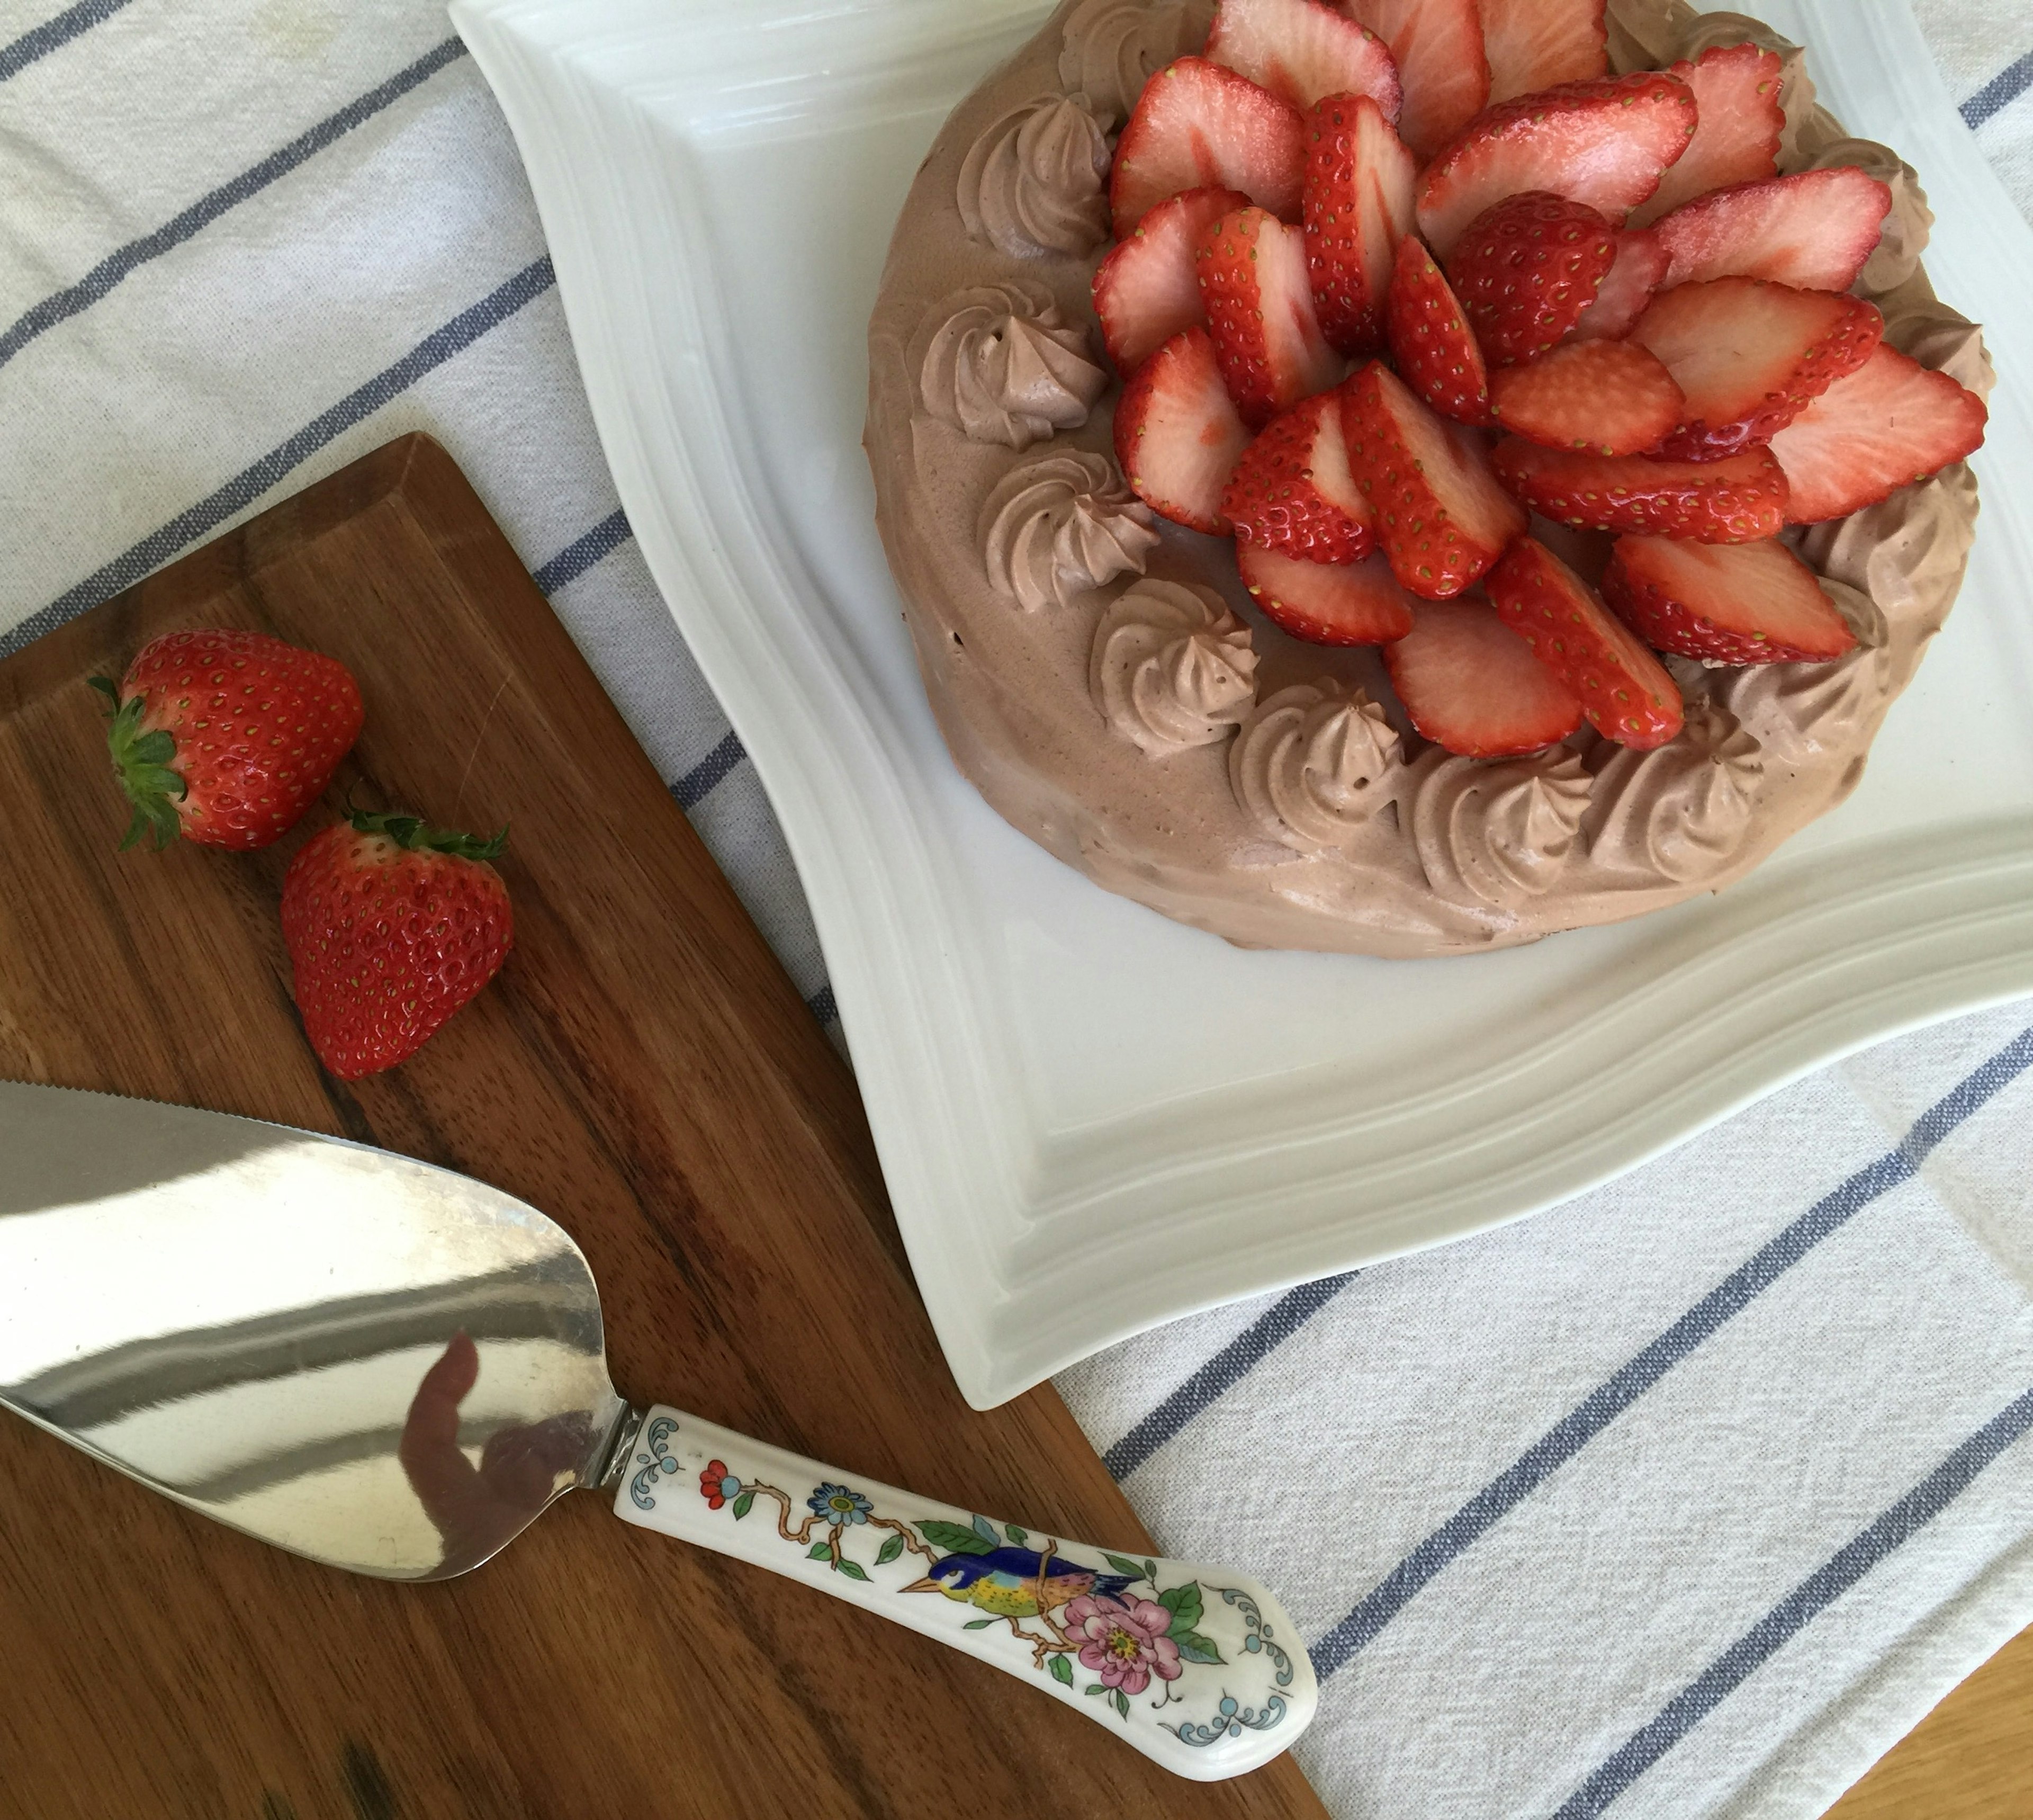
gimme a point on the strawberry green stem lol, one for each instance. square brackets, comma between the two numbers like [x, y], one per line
[142, 763]
[409, 832]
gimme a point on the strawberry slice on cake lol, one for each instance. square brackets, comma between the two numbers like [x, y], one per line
[1435, 350]
[1197, 125]
[1259, 311]
[1177, 434]
[1292, 491]
[1890, 423]
[1814, 230]
[1628, 287]
[1736, 91]
[1527, 268]
[1437, 46]
[1535, 44]
[1360, 603]
[1724, 603]
[1736, 501]
[1605, 143]
[1148, 287]
[1302, 51]
[1472, 686]
[1358, 206]
[1751, 355]
[1612, 397]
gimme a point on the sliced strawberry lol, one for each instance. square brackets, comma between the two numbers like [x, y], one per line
[1177, 433]
[1437, 45]
[1473, 686]
[1441, 517]
[1301, 51]
[1736, 87]
[1628, 287]
[1533, 44]
[1526, 269]
[1606, 142]
[1431, 340]
[1148, 288]
[1197, 125]
[1813, 230]
[1890, 423]
[1736, 501]
[1292, 491]
[1751, 355]
[1357, 603]
[1611, 397]
[1724, 603]
[1358, 206]
[1625, 690]
[1260, 310]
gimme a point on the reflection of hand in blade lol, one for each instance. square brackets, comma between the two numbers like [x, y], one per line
[478, 1509]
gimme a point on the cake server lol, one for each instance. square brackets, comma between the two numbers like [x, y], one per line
[392, 1368]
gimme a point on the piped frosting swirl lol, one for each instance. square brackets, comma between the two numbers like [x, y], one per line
[1498, 833]
[1315, 765]
[1036, 180]
[1058, 525]
[1682, 810]
[1172, 667]
[1001, 363]
[1111, 48]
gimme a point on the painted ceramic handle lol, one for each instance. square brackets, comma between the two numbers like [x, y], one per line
[1195, 1666]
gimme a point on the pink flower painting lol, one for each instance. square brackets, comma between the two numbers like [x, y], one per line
[1123, 1640]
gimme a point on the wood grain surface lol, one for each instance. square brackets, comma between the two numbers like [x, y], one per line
[1971, 1759]
[645, 1072]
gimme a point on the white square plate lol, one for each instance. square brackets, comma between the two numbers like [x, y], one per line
[1092, 1119]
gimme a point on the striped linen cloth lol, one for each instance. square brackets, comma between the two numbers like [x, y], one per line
[1686, 1500]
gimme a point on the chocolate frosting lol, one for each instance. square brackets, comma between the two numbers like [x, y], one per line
[1172, 668]
[1036, 182]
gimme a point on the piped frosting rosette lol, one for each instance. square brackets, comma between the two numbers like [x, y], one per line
[1315, 765]
[1001, 364]
[1061, 525]
[1682, 810]
[1036, 180]
[1497, 833]
[1111, 48]
[1172, 667]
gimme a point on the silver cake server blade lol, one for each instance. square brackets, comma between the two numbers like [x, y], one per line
[392, 1368]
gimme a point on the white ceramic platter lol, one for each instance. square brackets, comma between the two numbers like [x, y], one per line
[1092, 1119]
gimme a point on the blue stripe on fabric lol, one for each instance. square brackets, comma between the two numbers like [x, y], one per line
[250, 483]
[40, 42]
[1821, 1589]
[1999, 92]
[698, 782]
[822, 1006]
[1624, 1386]
[581, 553]
[1222, 1372]
[118, 265]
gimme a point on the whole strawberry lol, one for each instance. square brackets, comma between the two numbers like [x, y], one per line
[391, 926]
[227, 737]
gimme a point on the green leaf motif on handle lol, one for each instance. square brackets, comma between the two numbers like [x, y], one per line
[955, 1538]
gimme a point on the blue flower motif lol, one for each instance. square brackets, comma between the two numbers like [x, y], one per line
[837, 1505]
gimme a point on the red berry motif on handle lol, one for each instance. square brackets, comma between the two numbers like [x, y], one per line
[391, 926]
[227, 737]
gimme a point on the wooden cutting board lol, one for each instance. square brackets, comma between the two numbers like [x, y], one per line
[644, 1072]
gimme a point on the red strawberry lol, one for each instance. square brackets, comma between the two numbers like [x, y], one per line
[391, 926]
[1301, 51]
[1626, 289]
[1197, 124]
[1625, 690]
[1147, 289]
[1177, 434]
[1533, 44]
[1606, 142]
[227, 737]
[1751, 355]
[1813, 230]
[1358, 206]
[1611, 397]
[1260, 309]
[1724, 603]
[1327, 603]
[1442, 520]
[1736, 501]
[1292, 491]
[1437, 45]
[1736, 88]
[1891, 422]
[1472, 685]
[1526, 269]
[1430, 339]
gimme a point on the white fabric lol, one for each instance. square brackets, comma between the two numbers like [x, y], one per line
[1569, 1590]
